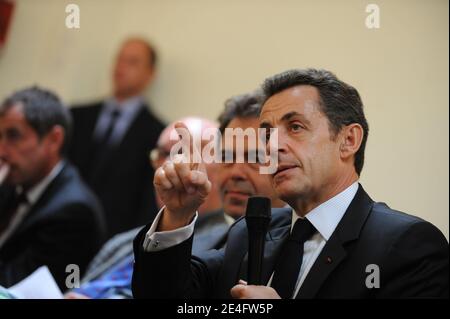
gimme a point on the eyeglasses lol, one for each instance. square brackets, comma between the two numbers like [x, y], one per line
[253, 158]
[158, 156]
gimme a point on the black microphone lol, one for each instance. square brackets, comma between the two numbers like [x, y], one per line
[258, 218]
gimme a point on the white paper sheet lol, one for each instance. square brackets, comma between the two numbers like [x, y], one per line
[39, 285]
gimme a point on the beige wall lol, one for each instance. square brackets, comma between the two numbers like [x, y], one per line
[211, 49]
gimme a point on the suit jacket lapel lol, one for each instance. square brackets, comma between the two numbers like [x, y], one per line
[273, 243]
[331, 256]
[38, 210]
[235, 254]
[113, 152]
[219, 240]
[334, 251]
[209, 240]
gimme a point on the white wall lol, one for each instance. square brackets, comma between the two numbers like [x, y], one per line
[212, 49]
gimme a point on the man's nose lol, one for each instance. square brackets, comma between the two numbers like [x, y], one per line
[237, 172]
[277, 141]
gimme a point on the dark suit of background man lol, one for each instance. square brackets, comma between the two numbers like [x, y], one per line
[112, 140]
[335, 242]
[48, 216]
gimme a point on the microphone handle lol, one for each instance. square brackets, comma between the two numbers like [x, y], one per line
[255, 259]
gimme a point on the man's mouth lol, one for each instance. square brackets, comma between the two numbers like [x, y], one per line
[284, 168]
[237, 193]
[231, 191]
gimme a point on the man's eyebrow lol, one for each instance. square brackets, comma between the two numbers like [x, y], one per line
[265, 125]
[288, 116]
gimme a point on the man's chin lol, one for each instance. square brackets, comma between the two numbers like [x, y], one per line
[286, 191]
[235, 211]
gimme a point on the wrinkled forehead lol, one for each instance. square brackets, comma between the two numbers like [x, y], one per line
[134, 46]
[241, 133]
[302, 100]
[13, 115]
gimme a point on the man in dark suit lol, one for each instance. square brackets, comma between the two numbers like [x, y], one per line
[48, 216]
[115, 257]
[112, 139]
[334, 243]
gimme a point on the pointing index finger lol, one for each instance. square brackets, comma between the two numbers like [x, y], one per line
[189, 148]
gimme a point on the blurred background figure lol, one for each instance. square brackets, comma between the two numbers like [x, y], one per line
[112, 139]
[48, 216]
[239, 181]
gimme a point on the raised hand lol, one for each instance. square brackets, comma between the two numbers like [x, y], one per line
[182, 186]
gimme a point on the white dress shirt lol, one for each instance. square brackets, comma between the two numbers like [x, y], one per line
[324, 218]
[155, 241]
[32, 196]
[128, 112]
[228, 219]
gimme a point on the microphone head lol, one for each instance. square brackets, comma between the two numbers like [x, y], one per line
[258, 206]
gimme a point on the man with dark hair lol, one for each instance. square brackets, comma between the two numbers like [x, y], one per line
[112, 139]
[47, 215]
[338, 101]
[335, 242]
[238, 181]
[240, 106]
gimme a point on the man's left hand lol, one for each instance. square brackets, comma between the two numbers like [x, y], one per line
[244, 291]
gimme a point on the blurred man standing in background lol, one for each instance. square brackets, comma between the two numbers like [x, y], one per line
[112, 140]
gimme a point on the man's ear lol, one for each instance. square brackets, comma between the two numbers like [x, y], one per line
[55, 138]
[151, 77]
[351, 139]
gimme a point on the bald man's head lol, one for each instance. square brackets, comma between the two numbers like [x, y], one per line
[134, 69]
[196, 126]
[161, 153]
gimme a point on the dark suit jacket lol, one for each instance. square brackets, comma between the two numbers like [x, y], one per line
[210, 232]
[124, 181]
[65, 226]
[412, 256]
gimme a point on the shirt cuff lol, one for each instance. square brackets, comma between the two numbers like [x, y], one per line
[156, 241]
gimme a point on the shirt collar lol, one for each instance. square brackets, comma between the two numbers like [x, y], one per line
[327, 215]
[128, 106]
[36, 191]
[228, 219]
